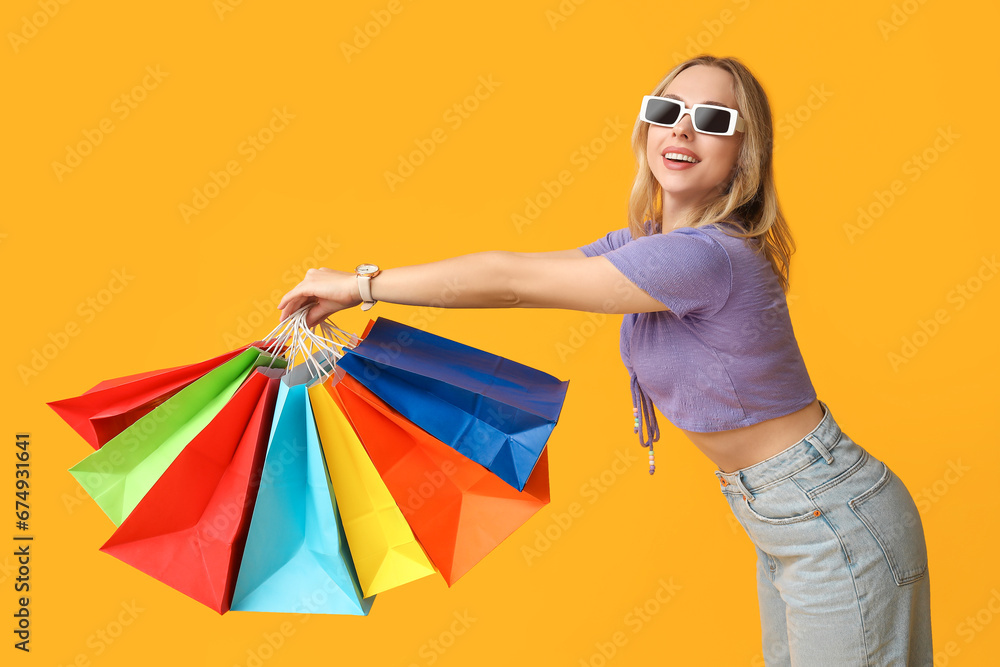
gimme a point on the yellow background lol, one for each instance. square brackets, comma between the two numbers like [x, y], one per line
[857, 89]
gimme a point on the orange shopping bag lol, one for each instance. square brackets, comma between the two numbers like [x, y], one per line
[459, 510]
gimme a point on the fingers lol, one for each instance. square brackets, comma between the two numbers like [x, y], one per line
[294, 299]
[308, 292]
[290, 296]
[318, 313]
[316, 284]
[291, 306]
[320, 310]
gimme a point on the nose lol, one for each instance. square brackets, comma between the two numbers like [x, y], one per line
[684, 125]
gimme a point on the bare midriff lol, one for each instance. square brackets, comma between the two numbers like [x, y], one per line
[742, 447]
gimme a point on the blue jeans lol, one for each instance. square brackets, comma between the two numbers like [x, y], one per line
[842, 574]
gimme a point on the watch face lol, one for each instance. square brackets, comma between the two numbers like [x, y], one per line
[366, 268]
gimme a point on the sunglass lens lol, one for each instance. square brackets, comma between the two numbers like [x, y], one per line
[662, 111]
[712, 120]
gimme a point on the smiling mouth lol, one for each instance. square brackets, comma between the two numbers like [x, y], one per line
[680, 157]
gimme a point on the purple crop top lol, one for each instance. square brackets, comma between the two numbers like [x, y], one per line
[724, 355]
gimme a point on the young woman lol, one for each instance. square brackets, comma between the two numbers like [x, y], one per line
[700, 274]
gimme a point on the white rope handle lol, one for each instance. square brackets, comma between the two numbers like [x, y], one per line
[300, 339]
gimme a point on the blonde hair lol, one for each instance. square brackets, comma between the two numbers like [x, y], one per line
[750, 196]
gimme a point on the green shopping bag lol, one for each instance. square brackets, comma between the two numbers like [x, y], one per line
[120, 473]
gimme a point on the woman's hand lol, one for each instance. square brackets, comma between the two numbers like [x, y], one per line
[328, 290]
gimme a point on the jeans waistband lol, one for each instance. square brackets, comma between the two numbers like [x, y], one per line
[818, 443]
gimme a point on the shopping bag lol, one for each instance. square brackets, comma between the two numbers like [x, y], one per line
[120, 473]
[384, 550]
[188, 530]
[111, 406]
[490, 409]
[296, 557]
[459, 510]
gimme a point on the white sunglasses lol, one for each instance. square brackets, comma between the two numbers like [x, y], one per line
[706, 118]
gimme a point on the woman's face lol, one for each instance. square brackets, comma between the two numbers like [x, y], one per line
[684, 183]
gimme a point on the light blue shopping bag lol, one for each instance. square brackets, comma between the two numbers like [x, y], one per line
[296, 558]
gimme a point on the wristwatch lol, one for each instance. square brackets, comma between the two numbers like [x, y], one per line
[365, 274]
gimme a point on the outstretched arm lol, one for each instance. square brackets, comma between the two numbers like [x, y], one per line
[494, 279]
[572, 252]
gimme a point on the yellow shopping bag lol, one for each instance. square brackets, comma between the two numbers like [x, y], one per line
[384, 549]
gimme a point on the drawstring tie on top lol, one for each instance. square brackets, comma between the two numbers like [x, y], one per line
[642, 409]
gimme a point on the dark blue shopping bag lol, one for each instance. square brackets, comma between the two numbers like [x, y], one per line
[492, 410]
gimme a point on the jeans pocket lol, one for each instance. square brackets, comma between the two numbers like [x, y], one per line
[891, 516]
[794, 508]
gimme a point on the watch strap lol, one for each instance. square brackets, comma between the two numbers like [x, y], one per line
[365, 288]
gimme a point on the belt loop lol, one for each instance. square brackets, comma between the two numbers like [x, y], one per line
[820, 447]
[738, 478]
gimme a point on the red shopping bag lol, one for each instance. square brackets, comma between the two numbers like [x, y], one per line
[188, 531]
[111, 406]
[459, 510]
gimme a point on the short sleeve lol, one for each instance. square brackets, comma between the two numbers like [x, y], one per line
[685, 269]
[611, 241]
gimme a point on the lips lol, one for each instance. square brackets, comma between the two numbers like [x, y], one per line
[677, 150]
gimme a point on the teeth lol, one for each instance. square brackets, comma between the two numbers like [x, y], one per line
[680, 156]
